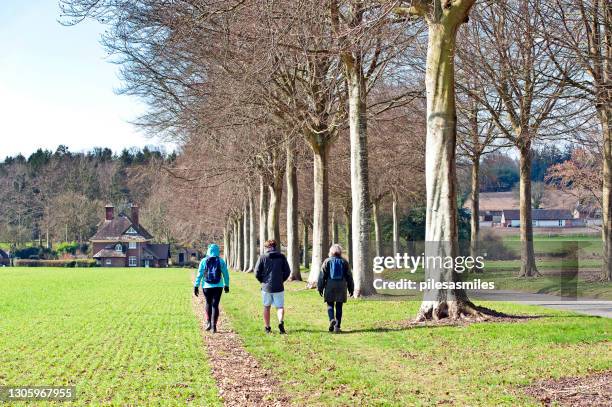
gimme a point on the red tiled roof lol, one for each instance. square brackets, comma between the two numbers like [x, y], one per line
[115, 230]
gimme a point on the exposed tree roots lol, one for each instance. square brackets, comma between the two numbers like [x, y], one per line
[529, 270]
[455, 310]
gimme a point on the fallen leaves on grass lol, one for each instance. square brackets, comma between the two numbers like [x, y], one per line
[589, 391]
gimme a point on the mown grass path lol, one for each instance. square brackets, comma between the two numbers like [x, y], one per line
[121, 336]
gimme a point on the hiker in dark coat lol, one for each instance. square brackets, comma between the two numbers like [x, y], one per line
[335, 279]
[272, 270]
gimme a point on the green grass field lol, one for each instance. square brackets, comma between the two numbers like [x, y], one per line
[563, 237]
[380, 361]
[130, 337]
[121, 336]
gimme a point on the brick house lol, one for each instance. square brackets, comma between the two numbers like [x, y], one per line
[122, 242]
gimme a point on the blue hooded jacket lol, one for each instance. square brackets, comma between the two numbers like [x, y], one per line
[213, 251]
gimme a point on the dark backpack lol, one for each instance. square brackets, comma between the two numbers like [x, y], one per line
[212, 274]
[336, 268]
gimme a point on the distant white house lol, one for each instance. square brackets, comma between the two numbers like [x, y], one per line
[543, 218]
[590, 216]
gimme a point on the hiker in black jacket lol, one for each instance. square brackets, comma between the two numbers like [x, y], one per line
[271, 270]
[335, 279]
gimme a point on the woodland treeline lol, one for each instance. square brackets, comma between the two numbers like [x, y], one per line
[59, 196]
[331, 106]
[53, 197]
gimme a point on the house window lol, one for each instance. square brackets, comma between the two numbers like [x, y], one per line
[132, 245]
[131, 231]
[560, 222]
[133, 261]
[119, 248]
[108, 262]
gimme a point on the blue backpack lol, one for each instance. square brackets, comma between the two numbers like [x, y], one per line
[336, 268]
[212, 275]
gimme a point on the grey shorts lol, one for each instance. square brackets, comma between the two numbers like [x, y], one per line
[276, 299]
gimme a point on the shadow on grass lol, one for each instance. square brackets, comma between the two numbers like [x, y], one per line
[408, 325]
[366, 330]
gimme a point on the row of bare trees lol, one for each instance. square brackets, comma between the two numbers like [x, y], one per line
[261, 92]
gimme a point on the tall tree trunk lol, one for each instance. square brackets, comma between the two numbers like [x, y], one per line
[320, 216]
[252, 234]
[240, 238]
[528, 264]
[263, 214]
[605, 114]
[360, 194]
[246, 234]
[441, 222]
[305, 242]
[293, 238]
[336, 232]
[235, 246]
[334, 228]
[377, 231]
[230, 244]
[395, 223]
[276, 195]
[475, 219]
[226, 245]
[349, 234]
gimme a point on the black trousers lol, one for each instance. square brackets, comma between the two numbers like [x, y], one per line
[213, 298]
[338, 314]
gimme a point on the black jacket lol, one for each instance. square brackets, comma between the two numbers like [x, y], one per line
[335, 290]
[271, 270]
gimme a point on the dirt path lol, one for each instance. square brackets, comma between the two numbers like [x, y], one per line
[240, 378]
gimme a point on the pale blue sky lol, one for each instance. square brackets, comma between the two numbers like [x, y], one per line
[56, 85]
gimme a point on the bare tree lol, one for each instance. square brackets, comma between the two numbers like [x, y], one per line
[582, 30]
[478, 136]
[443, 20]
[505, 51]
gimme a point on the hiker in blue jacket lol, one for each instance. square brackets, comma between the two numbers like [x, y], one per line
[335, 279]
[214, 278]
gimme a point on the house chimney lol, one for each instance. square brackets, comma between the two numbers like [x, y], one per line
[110, 209]
[135, 219]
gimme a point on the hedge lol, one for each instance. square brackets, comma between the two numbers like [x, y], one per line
[56, 263]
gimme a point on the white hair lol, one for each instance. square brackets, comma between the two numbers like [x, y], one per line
[335, 250]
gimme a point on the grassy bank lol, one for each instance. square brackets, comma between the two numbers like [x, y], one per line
[381, 361]
[121, 336]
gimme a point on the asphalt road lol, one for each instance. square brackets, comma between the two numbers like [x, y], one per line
[600, 308]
